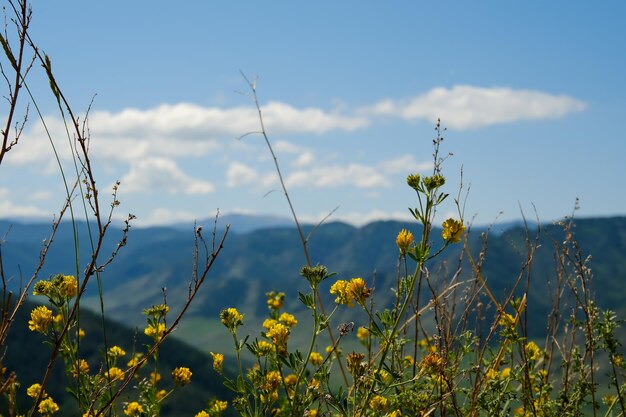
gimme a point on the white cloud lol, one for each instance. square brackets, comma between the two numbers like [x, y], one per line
[305, 159]
[239, 174]
[469, 107]
[283, 118]
[358, 219]
[162, 216]
[162, 175]
[405, 164]
[8, 209]
[357, 175]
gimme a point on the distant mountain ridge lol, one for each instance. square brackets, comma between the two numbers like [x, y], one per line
[266, 259]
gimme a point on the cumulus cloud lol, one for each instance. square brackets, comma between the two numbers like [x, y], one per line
[8, 209]
[182, 129]
[469, 107]
[161, 216]
[361, 176]
[239, 174]
[162, 175]
[405, 164]
[357, 218]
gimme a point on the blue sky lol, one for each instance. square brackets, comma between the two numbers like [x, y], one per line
[533, 96]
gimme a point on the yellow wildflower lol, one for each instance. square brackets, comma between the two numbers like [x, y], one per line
[155, 332]
[218, 361]
[316, 358]
[155, 377]
[340, 289]
[265, 348]
[506, 372]
[379, 403]
[268, 323]
[532, 351]
[181, 376]
[41, 288]
[219, 406]
[68, 287]
[48, 406]
[116, 352]
[362, 334]
[357, 290]
[40, 319]
[134, 360]
[269, 398]
[288, 320]
[396, 413]
[414, 181]
[491, 374]
[275, 300]
[114, 373]
[452, 230]
[271, 381]
[80, 367]
[160, 395]
[291, 379]
[507, 320]
[33, 391]
[80, 333]
[231, 318]
[311, 413]
[404, 240]
[133, 409]
[433, 182]
[279, 334]
[202, 414]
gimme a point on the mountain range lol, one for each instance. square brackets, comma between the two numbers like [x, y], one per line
[159, 260]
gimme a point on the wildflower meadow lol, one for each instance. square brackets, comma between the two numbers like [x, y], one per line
[440, 342]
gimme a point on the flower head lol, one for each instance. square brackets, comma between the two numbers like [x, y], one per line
[41, 288]
[157, 311]
[218, 361]
[362, 334]
[413, 180]
[314, 274]
[114, 373]
[265, 348]
[133, 409]
[48, 407]
[532, 351]
[288, 320]
[404, 240]
[340, 289]
[34, 390]
[433, 182]
[452, 230]
[357, 290]
[231, 318]
[116, 352]
[316, 358]
[275, 300]
[80, 367]
[155, 331]
[68, 286]
[279, 333]
[40, 319]
[379, 403]
[219, 406]
[181, 376]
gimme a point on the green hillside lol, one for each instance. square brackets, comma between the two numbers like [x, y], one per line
[269, 259]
